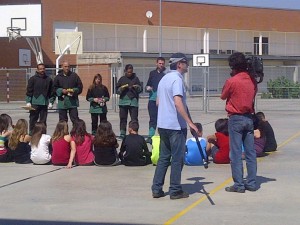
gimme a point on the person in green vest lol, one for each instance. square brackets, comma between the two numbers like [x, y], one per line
[128, 87]
[67, 87]
[39, 95]
[151, 87]
[97, 95]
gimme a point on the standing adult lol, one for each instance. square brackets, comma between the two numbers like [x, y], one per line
[39, 96]
[97, 95]
[172, 127]
[128, 87]
[239, 92]
[151, 87]
[67, 86]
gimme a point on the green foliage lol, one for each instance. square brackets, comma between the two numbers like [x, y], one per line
[282, 88]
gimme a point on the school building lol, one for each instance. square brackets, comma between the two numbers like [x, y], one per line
[119, 32]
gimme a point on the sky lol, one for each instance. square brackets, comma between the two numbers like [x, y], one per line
[277, 4]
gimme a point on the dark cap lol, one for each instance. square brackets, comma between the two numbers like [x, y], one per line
[176, 57]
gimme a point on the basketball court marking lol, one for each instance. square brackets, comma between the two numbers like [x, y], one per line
[221, 186]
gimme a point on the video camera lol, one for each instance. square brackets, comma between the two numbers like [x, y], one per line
[255, 68]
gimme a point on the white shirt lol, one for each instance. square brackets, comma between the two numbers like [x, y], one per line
[40, 154]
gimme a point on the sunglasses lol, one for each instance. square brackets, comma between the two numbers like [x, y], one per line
[184, 61]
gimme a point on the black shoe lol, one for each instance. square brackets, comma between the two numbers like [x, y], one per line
[179, 194]
[149, 140]
[250, 188]
[159, 194]
[234, 189]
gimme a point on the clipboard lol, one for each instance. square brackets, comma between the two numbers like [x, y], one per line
[28, 108]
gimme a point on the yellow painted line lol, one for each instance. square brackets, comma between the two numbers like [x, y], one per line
[180, 214]
[221, 186]
[288, 140]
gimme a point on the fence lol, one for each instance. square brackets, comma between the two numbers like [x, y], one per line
[203, 84]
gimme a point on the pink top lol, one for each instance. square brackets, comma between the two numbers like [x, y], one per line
[61, 151]
[84, 154]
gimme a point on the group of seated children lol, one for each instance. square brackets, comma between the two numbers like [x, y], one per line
[64, 149]
[217, 145]
[81, 148]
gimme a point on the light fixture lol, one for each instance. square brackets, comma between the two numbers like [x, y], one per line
[149, 14]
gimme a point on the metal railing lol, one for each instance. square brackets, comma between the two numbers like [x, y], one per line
[203, 84]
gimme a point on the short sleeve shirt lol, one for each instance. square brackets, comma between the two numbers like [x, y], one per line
[170, 85]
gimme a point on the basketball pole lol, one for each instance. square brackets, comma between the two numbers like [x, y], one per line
[62, 53]
[36, 48]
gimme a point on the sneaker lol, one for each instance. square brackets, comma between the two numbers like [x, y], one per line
[234, 189]
[250, 188]
[158, 194]
[149, 140]
[179, 195]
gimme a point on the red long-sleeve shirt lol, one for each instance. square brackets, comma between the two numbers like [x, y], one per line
[239, 92]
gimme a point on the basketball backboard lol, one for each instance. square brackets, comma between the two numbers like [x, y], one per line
[71, 42]
[26, 18]
[201, 60]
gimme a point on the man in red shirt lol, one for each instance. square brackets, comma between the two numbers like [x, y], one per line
[239, 92]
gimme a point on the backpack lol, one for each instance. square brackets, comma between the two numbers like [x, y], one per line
[155, 149]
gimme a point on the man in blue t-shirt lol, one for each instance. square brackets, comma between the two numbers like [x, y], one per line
[172, 127]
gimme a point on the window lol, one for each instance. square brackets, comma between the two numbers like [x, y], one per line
[265, 45]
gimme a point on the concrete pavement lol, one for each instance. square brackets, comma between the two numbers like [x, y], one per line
[32, 194]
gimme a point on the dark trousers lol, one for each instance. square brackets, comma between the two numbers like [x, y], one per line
[95, 117]
[133, 111]
[152, 109]
[73, 113]
[41, 111]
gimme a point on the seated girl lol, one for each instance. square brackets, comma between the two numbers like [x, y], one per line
[40, 142]
[105, 146]
[19, 143]
[5, 133]
[81, 141]
[61, 148]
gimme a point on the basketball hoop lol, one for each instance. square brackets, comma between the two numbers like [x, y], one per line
[13, 33]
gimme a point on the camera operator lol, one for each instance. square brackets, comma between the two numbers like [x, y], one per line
[239, 92]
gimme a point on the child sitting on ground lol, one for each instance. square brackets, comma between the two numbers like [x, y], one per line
[105, 146]
[259, 138]
[40, 141]
[61, 148]
[5, 133]
[81, 140]
[134, 150]
[218, 143]
[271, 144]
[19, 142]
[193, 156]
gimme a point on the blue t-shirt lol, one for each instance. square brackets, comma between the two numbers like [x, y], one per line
[170, 85]
[192, 155]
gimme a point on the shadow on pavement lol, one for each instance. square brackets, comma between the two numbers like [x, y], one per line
[260, 180]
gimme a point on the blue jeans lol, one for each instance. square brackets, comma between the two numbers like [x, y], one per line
[172, 144]
[240, 129]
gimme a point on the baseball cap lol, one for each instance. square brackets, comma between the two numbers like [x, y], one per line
[176, 57]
